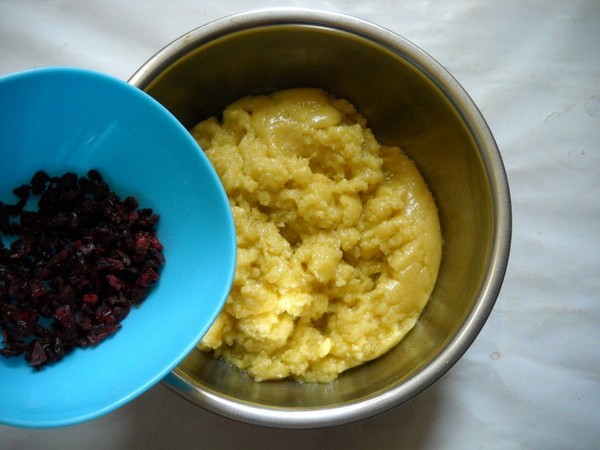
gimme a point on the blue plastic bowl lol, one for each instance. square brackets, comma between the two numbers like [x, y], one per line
[65, 119]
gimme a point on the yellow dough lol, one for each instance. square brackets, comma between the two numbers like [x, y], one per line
[339, 240]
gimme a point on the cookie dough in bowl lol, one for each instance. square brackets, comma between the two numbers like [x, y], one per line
[339, 240]
[410, 103]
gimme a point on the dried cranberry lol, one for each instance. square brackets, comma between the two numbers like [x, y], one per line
[74, 267]
[35, 354]
[90, 298]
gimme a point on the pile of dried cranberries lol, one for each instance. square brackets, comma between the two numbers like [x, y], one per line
[75, 267]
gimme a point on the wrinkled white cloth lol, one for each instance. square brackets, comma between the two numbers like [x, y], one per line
[532, 378]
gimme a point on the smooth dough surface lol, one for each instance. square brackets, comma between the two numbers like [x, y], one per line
[339, 240]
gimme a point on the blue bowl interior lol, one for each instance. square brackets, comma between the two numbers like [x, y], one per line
[64, 119]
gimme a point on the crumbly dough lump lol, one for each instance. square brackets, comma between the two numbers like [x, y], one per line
[339, 241]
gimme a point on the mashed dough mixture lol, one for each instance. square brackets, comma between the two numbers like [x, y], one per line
[339, 241]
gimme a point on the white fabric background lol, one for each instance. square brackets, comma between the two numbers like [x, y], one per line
[532, 378]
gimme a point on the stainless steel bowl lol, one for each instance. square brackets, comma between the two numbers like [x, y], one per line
[409, 100]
